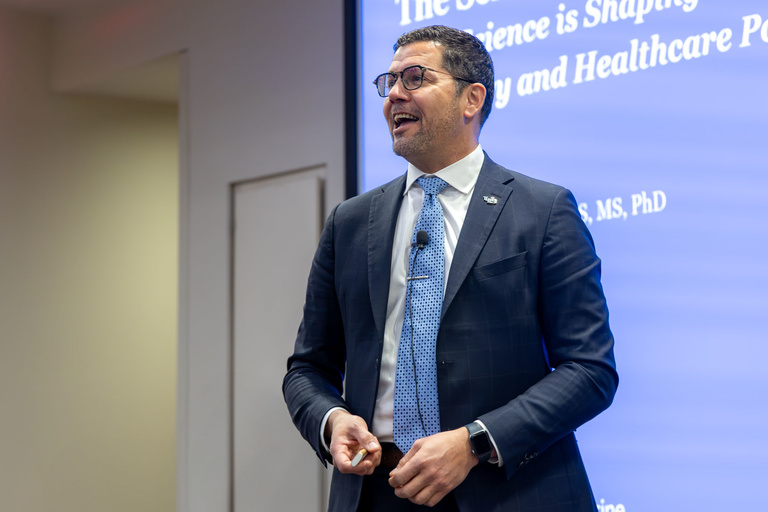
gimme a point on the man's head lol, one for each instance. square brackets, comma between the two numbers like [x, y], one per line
[438, 93]
[464, 56]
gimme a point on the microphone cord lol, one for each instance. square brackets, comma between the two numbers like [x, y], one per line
[410, 323]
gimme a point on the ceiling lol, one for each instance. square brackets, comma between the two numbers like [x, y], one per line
[154, 81]
[57, 6]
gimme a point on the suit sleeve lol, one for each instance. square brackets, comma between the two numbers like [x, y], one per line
[577, 340]
[313, 383]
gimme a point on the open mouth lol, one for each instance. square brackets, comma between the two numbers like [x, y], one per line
[403, 119]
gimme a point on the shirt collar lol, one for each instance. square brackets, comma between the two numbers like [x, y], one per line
[461, 175]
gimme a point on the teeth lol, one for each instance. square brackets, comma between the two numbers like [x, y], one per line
[399, 118]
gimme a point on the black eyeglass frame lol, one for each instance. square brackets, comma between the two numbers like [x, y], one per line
[383, 90]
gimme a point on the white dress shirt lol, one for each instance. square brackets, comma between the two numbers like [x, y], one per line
[461, 177]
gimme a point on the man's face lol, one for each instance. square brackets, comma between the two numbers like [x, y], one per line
[426, 124]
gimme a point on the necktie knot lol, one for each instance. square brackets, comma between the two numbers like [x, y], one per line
[431, 185]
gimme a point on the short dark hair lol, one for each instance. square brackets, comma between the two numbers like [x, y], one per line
[464, 56]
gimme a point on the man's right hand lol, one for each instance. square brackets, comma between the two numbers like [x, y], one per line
[349, 434]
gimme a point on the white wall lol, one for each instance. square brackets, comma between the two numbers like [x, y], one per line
[88, 276]
[261, 93]
[265, 95]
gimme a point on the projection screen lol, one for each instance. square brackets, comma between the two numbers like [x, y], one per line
[655, 114]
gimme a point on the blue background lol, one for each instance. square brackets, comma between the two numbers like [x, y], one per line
[688, 285]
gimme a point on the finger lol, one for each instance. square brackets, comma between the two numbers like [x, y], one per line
[404, 471]
[340, 456]
[424, 489]
[368, 465]
[416, 490]
[435, 499]
[351, 432]
[344, 457]
[371, 462]
[354, 433]
[427, 496]
[366, 440]
[342, 453]
[403, 474]
[344, 465]
[408, 456]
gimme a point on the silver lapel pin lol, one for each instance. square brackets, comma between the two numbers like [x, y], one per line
[491, 199]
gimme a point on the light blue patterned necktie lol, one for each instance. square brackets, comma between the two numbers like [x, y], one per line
[416, 412]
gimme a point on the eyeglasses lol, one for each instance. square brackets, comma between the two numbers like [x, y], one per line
[411, 77]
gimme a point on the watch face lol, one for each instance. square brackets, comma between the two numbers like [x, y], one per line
[481, 443]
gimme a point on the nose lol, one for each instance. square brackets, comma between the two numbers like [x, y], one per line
[398, 92]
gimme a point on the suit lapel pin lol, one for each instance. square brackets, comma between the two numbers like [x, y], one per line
[491, 199]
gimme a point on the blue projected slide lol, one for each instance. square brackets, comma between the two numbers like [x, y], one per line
[655, 114]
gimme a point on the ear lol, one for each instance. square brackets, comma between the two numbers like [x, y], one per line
[475, 95]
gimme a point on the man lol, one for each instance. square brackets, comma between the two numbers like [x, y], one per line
[477, 360]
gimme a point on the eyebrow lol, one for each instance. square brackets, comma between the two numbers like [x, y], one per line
[411, 66]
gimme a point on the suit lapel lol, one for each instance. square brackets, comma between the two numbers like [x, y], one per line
[493, 182]
[381, 232]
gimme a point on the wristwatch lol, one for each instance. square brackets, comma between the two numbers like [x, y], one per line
[480, 441]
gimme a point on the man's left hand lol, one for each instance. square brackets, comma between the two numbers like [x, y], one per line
[433, 467]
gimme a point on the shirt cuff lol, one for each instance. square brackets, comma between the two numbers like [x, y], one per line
[322, 427]
[496, 455]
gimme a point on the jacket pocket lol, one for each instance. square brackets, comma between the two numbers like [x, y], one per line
[500, 267]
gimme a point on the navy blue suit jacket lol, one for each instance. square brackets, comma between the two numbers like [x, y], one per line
[524, 341]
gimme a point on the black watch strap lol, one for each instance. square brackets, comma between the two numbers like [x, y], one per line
[480, 441]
